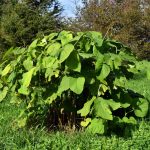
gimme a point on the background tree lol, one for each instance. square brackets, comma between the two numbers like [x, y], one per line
[125, 20]
[24, 20]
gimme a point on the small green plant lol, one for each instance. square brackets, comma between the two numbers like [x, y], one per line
[66, 76]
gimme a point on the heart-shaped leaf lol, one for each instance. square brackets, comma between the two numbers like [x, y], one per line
[77, 84]
[96, 126]
[66, 51]
[102, 109]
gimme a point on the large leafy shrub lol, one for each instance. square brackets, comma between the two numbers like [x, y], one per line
[66, 77]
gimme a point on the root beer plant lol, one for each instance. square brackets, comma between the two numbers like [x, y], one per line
[66, 76]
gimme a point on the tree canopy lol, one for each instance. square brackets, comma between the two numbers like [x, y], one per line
[24, 20]
[125, 20]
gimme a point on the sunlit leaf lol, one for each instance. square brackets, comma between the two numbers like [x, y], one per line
[120, 81]
[117, 62]
[130, 120]
[77, 84]
[6, 70]
[96, 126]
[102, 109]
[99, 62]
[104, 72]
[23, 90]
[54, 49]
[97, 37]
[86, 108]
[65, 37]
[27, 77]
[28, 64]
[48, 62]
[85, 122]
[64, 85]
[66, 51]
[3, 93]
[52, 35]
[113, 105]
[33, 45]
[86, 55]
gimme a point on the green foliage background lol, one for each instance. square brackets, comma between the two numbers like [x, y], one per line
[23, 21]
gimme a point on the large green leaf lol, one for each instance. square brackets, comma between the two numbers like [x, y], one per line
[99, 62]
[73, 62]
[130, 120]
[28, 64]
[64, 85]
[104, 72]
[27, 77]
[54, 49]
[77, 84]
[3, 93]
[96, 126]
[23, 90]
[86, 108]
[66, 51]
[114, 105]
[33, 45]
[26, 82]
[48, 62]
[141, 108]
[6, 70]
[52, 35]
[11, 76]
[78, 37]
[87, 45]
[120, 82]
[117, 61]
[97, 38]
[65, 37]
[49, 73]
[102, 109]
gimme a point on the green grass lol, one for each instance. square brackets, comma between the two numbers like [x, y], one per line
[40, 139]
[140, 84]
